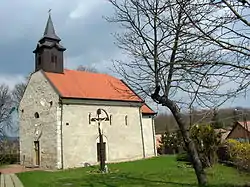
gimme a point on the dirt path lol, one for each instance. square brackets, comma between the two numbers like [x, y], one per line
[16, 169]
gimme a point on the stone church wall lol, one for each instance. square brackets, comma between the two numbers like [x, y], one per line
[39, 97]
[80, 137]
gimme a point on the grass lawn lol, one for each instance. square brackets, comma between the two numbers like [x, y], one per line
[160, 171]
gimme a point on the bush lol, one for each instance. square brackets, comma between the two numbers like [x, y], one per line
[9, 159]
[207, 142]
[239, 154]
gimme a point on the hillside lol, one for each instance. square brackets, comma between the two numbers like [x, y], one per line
[226, 116]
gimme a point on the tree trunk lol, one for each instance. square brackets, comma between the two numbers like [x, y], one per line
[200, 173]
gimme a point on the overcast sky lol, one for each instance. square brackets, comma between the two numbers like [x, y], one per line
[79, 23]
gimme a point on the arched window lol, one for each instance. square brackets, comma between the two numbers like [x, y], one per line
[110, 119]
[37, 115]
[126, 120]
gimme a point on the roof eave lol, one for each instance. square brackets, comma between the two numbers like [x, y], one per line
[82, 98]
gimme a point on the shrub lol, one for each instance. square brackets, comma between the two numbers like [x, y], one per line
[239, 154]
[207, 142]
[9, 158]
[171, 143]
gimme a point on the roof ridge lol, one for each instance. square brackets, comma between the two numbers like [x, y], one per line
[90, 72]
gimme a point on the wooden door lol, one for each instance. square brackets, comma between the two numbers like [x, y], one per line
[37, 153]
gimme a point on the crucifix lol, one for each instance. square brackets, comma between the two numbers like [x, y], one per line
[99, 119]
[49, 11]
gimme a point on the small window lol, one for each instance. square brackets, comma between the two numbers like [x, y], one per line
[126, 120]
[67, 124]
[89, 118]
[55, 59]
[51, 103]
[110, 119]
[37, 115]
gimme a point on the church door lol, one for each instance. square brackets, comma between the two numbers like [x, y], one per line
[37, 153]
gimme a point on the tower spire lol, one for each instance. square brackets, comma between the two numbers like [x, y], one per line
[49, 31]
[49, 51]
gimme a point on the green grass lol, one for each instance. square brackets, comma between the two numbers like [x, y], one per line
[160, 171]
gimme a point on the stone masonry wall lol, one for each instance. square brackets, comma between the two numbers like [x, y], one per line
[39, 97]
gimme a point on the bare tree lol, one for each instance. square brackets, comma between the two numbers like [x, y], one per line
[5, 108]
[229, 28]
[175, 63]
[19, 89]
[85, 68]
[18, 92]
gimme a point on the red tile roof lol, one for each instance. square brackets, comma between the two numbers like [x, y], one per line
[247, 126]
[145, 109]
[88, 85]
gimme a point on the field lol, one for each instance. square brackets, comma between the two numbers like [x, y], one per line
[159, 171]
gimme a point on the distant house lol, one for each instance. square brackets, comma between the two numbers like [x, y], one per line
[224, 133]
[240, 131]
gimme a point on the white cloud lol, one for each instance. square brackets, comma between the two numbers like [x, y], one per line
[84, 8]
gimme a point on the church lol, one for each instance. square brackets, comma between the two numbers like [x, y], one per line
[57, 108]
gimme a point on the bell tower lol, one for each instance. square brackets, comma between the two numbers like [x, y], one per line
[49, 51]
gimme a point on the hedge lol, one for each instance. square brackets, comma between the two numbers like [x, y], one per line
[236, 153]
[9, 158]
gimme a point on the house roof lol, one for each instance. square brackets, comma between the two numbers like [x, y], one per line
[247, 127]
[224, 133]
[88, 85]
[220, 130]
[242, 124]
[145, 109]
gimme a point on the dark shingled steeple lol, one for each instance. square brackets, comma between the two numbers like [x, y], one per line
[49, 51]
[49, 31]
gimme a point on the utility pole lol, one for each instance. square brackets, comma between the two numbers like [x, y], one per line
[245, 126]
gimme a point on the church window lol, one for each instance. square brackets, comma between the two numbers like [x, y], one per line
[110, 119]
[89, 118]
[37, 115]
[126, 120]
